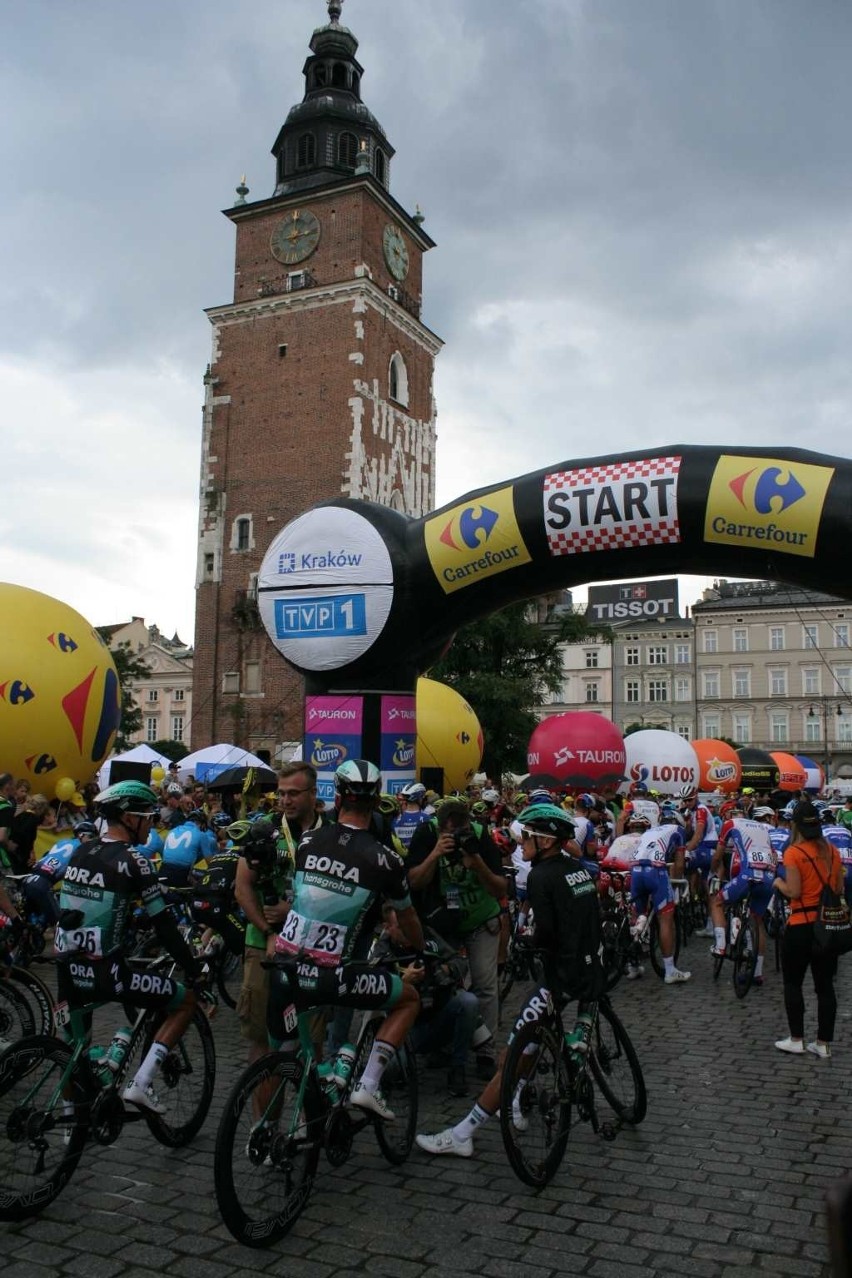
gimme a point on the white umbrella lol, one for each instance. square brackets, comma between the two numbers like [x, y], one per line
[207, 764]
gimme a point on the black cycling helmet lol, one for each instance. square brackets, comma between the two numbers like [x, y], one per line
[358, 779]
[128, 798]
[198, 815]
[85, 829]
[221, 820]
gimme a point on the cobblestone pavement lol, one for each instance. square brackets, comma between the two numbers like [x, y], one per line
[726, 1176]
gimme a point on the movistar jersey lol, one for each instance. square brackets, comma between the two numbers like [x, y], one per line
[343, 876]
[185, 845]
[102, 884]
[55, 862]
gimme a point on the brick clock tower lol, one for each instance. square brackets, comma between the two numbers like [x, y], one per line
[319, 384]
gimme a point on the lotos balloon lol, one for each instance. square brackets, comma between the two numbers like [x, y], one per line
[791, 775]
[814, 775]
[665, 761]
[60, 700]
[583, 749]
[448, 734]
[759, 769]
[718, 764]
[64, 789]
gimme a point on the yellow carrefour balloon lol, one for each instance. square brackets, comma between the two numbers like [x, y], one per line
[448, 734]
[60, 700]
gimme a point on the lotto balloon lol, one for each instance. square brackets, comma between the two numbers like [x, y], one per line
[584, 750]
[448, 734]
[718, 765]
[663, 760]
[60, 700]
[791, 775]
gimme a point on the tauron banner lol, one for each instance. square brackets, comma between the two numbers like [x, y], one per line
[362, 598]
[333, 733]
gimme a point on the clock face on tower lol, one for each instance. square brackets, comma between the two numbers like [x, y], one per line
[396, 254]
[296, 237]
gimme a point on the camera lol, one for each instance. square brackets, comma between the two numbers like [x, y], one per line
[465, 843]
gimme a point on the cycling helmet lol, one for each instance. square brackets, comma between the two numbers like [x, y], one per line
[174, 791]
[413, 793]
[388, 805]
[479, 808]
[358, 779]
[198, 815]
[515, 831]
[131, 798]
[638, 787]
[760, 814]
[85, 829]
[637, 818]
[585, 801]
[672, 818]
[490, 796]
[687, 792]
[546, 818]
[537, 796]
[786, 814]
[221, 820]
[238, 831]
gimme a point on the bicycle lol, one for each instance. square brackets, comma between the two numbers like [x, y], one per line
[775, 923]
[54, 1097]
[26, 1002]
[521, 962]
[741, 945]
[543, 1079]
[190, 907]
[279, 1116]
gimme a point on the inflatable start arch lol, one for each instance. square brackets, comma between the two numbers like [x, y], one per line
[362, 599]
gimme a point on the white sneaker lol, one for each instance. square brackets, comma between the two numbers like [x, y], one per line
[373, 1101]
[822, 1050]
[445, 1143]
[634, 971]
[144, 1097]
[675, 976]
[520, 1122]
[794, 1046]
[717, 951]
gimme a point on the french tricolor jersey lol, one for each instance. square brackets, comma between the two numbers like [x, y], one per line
[621, 853]
[842, 840]
[752, 852]
[657, 847]
[779, 837]
[701, 814]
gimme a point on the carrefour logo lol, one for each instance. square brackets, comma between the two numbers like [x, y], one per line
[474, 540]
[766, 504]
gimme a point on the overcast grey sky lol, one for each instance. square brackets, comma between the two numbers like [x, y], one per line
[642, 210]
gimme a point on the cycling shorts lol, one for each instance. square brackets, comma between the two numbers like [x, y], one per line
[303, 985]
[699, 858]
[651, 881]
[111, 980]
[538, 1007]
[40, 898]
[761, 892]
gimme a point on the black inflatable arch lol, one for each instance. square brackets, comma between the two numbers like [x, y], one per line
[781, 514]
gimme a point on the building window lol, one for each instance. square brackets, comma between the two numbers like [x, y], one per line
[380, 166]
[177, 727]
[742, 729]
[152, 729]
[711, 683]
[209, 565]
[813, 728]
[742, 683]
[347, 150]
[841, 635]
[231, 681]
[710, 641]
[844, 728]
[658, 656]
[241, 536]
[632, 692]
[179, 694]
[776, 638]
[398, 380]
[306, 151]
[740, 641]
[810, 682]
[658, 690]
[682, 730]
[778, 683]
[592, 690]
[631, 657]
[810, 636]
[712, 726]
[682, 654]
[591, 655]
[153, 694]
[842, 678]
[778, 728]
[252, 676]
[681, 690]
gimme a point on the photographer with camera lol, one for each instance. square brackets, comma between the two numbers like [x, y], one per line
[455, 873]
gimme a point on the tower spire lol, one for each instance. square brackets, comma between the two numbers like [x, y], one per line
[335, 8]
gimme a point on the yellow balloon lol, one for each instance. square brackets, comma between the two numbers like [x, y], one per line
[64, 789]
[60, 700]
[448, 734]
[158, 774]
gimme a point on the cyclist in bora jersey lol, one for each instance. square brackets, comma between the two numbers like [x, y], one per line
[343, 877]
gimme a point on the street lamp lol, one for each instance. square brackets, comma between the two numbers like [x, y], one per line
[814, 714]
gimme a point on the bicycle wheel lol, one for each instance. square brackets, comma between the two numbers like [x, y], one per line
[267, 1150]
[616, 941]
[16, 1016]
[42, 1134]
[655, 952]
[39, 997]
[744, 956]
[184, 1082]
[535, 1103]
[400, 1089]
[616, 1069]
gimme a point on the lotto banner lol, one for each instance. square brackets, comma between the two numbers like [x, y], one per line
[334, 729]
[398, 728]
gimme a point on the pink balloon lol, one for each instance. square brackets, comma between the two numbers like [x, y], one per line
[581, 749]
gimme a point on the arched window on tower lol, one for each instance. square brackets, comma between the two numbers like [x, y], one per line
[398, 380]
[242, 533]
[340, 76]
[320, 75]
[347, 150]
[380, 166]
[306, 151]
